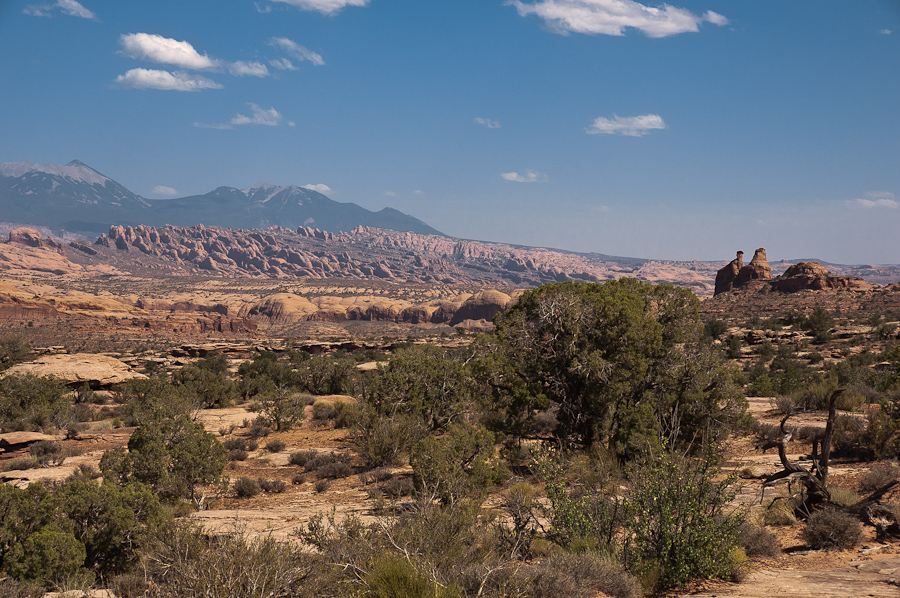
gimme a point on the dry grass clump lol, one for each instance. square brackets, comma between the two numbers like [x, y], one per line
[246, 487]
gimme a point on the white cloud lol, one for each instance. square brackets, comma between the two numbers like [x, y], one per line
[490, 124]
[69, 7]
[612, 17]
[633, 126]
[283, 64]
[164, 50]
[319, 188]
[164, 191]
[262, 9]
[530, 176]
[296, 50]
[154, 79]
[876, 199]
[391, 193]
[885, 32]
[328, 7]
[252, 69]
[258, 116]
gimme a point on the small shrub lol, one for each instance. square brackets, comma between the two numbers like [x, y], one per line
[583, 576]
[346, 414]
[246, 487]
[879, 476]
[238, 455]
[832, 529]
[301, 458]
[298, 479]
[815, 357]
[393, 576]
[756, 540]
[232, 444]
[336, 469]
[227, 430]
[398, 487]
[323, 410]
[739, 564]
[272, 486]
[21, 463]
[252, 445]
[275, 446]
[322, 485]
[783, 404]
[320, 460]
[85, 471]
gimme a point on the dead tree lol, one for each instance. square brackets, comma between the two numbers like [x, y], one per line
[814, 493]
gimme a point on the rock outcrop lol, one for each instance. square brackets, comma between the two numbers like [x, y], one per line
[32, 238]
[736, 275]
[814, 276]
[757, 276]
[77, 369]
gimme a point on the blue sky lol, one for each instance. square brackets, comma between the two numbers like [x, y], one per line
[682, 131]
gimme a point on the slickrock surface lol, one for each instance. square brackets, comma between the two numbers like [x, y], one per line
[96, 370]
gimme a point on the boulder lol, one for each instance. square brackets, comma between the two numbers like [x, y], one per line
[481, 306]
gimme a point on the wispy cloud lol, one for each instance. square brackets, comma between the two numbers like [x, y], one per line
[164, 191]
[612, 17]
[875, 199]
[251, 69]
[296, 50]
[69, 7]
[283, 64]
[885, 32]
[530, 176]
[633, 126]
[490, 124]
[328, 7]
[319, 188]
[164, 50]
[258, 116]
[155, 79]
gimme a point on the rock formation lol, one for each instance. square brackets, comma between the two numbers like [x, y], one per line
[757, 275]
[736, 275]
[814, 276]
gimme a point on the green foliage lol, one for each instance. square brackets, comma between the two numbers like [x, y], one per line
[676, 520]
[170, 456]
[393, 576]
[714, 328]
[820, 322]
[80, 530]
[623, 361]
[13, 350]
[207, 380]
[48, 557]
[265, 373]
[578, 511]
[282, 411]
[109, 521]
[385, 441]
[456, 466]
[150, 400]
[33, 403]
[326, 375]
[424, 381]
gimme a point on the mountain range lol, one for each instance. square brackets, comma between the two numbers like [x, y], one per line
[78, 199]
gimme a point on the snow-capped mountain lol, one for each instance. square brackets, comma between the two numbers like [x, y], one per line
[77, 198]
